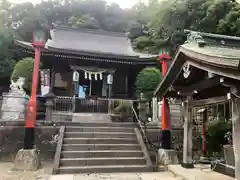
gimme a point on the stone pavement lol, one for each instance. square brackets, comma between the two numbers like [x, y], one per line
[118, 176]
[176, 172]
[200, 172]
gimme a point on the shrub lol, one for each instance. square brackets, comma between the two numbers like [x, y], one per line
[215, 135]
[147, 81]
[24, 68]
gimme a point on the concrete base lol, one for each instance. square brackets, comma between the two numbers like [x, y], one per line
[166, 157]
[27, 160]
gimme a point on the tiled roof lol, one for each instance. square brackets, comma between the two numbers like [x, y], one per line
[93, 43]
[90, 41]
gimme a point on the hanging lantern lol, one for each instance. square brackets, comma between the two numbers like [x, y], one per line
[101, 77]
[86, 75]
[95, 76]
[90, 76]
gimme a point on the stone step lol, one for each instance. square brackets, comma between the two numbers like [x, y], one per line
[100, 141]
[104, 169]
[91, 117]
[102, 161]
[86, 154]
[99, 147]
[98, 135]
[98, 129]
[99, 124]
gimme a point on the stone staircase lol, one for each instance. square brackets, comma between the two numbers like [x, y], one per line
[101, 148]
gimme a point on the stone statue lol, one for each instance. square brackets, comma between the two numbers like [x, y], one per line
[13, 102]
[17, 86]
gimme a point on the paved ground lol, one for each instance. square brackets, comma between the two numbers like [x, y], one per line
[118, 176]
[7, 174]
[200, 172]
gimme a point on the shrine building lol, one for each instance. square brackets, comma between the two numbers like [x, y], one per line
[94, 55]
[204, 76]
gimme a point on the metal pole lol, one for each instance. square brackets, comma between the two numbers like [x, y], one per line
[32, 105]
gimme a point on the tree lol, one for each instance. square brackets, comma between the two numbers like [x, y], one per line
[147, 81]
[169, 20]
[231, 23]
[24, 68]
[6, 62]
[93, 14]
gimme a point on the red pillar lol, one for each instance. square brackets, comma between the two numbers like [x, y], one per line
[166, 125]
[32, 105]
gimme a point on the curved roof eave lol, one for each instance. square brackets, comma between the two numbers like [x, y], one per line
[229, 69]
[141, 58]
[216, 56]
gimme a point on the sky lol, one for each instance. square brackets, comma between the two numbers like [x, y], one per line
[122, 3]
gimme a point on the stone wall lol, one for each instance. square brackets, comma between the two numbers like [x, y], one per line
[154, 136]
[11, 140]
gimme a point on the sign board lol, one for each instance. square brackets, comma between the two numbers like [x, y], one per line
[45, 81]
[45, 77]
[75, 76]
[110, 79]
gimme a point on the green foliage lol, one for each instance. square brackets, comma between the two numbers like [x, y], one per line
[169, 18]
[230, 23]
[156, 21]
[147, 81]
[24, 68]
[93, 14]
[215, 135]
[6, 62]
[144, 44]
[6, 39]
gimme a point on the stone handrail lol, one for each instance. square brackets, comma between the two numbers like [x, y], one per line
[58, 151]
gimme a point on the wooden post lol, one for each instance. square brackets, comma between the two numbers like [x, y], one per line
[154, 110]
[52, 81]
[126, 85]
[236, 135]
[109, 98]
[187, 142]
[90, 88]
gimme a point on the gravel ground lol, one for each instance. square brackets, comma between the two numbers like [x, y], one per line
[6, 173]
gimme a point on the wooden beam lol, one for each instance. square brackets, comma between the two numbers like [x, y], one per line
[180, 93]
[199, 86]
[205, 102]
[226, 72]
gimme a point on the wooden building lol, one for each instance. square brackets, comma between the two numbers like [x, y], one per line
[205, 70]
[95, 55]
